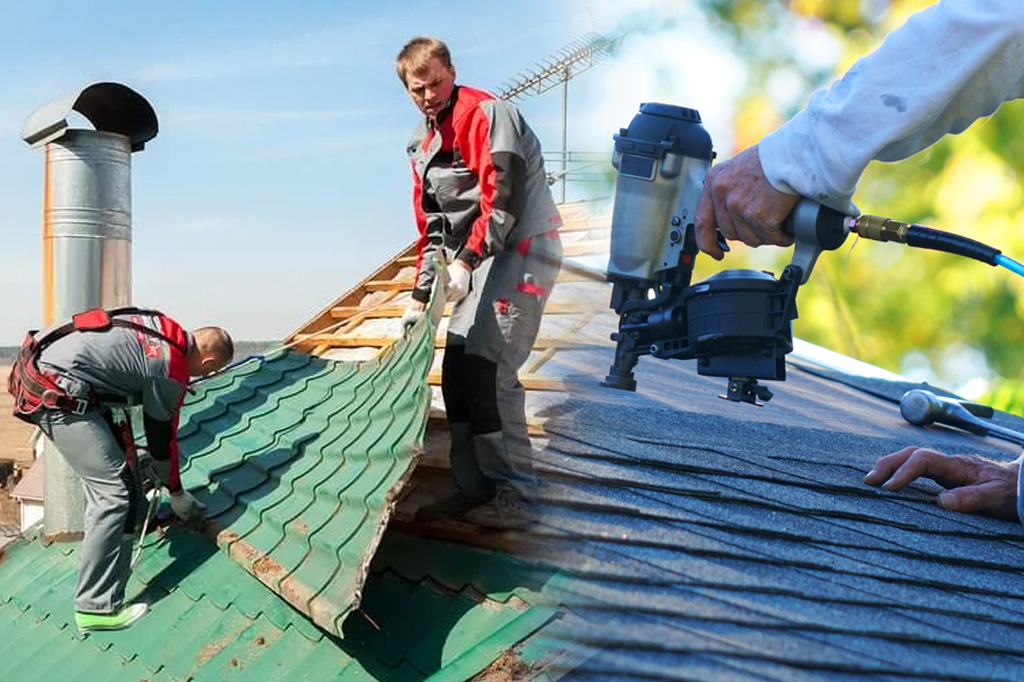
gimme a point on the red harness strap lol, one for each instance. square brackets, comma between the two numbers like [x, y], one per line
[34, 389]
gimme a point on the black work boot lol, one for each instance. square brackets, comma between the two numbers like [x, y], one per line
[474, 488]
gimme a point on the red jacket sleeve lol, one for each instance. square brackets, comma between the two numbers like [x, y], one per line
[164, 397]
[490, 147]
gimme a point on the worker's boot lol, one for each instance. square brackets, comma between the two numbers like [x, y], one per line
[509, 509]
[119, 620]
[474, 488]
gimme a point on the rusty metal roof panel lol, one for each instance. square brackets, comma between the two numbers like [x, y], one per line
[211, 621]
[299, 460]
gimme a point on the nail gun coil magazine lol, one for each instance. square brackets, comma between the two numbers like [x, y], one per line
[738, 324]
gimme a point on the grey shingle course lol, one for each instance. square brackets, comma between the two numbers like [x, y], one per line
[709, 540]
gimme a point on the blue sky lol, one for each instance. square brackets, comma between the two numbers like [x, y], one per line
[279, 178]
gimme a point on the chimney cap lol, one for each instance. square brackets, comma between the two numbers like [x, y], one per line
[110, 107]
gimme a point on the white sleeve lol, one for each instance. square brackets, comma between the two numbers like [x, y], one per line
[949, 65]
[1020, 488]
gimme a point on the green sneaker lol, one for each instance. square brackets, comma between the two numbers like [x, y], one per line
[90, 622]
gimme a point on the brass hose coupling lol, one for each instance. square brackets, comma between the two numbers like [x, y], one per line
[879, 228]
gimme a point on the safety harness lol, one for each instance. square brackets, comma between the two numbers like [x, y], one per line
[34, 389]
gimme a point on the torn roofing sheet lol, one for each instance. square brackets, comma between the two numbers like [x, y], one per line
[299, 461]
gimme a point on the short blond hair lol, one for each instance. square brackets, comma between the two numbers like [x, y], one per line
[417, 53]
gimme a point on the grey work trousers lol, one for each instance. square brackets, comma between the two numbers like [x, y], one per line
[113, 503]
[490, 335]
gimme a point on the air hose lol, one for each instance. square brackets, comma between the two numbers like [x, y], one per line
[888, 230]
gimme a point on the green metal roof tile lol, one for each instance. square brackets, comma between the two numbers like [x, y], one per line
[299, 461]
[48, 594]
[148, 636]
[470, 660]
[464, 629]
[457, 566]
[419, 612]
[218, 623]
[14, 561]
[164, 576]
[61, 663]
[196, 634]
[93, 668]
[281, 659]
[235, 655]
[324, 664]
[28, 634]
[26, 581]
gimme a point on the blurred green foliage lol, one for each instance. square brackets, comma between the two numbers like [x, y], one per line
[880, 302]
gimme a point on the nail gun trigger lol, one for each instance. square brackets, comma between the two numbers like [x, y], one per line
[720, 240]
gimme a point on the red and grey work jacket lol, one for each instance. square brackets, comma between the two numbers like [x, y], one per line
[117, 365]
[479, 185]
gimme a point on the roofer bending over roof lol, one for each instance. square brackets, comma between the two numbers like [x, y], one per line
[482, 203]
[66, 380]
[949, 65]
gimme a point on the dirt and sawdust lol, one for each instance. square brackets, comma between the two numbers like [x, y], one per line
[508, 667]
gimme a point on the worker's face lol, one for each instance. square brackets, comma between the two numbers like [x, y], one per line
[431, 87]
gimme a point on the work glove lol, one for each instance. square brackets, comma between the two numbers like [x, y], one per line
[413, 312]
[186, 507]
[157, 472]
[457, 287]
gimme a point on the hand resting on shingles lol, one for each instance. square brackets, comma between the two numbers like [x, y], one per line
[973, 483]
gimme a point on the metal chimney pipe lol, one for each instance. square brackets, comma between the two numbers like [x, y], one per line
[86, 235]
[87, 223]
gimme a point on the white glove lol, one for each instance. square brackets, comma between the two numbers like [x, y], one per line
[457, 287]
[413, 312]
[186, 507]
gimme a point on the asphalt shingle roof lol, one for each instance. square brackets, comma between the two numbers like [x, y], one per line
[712, 540]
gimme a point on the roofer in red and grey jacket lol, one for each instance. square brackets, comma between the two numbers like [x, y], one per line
[482, 204]
[66, 380]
